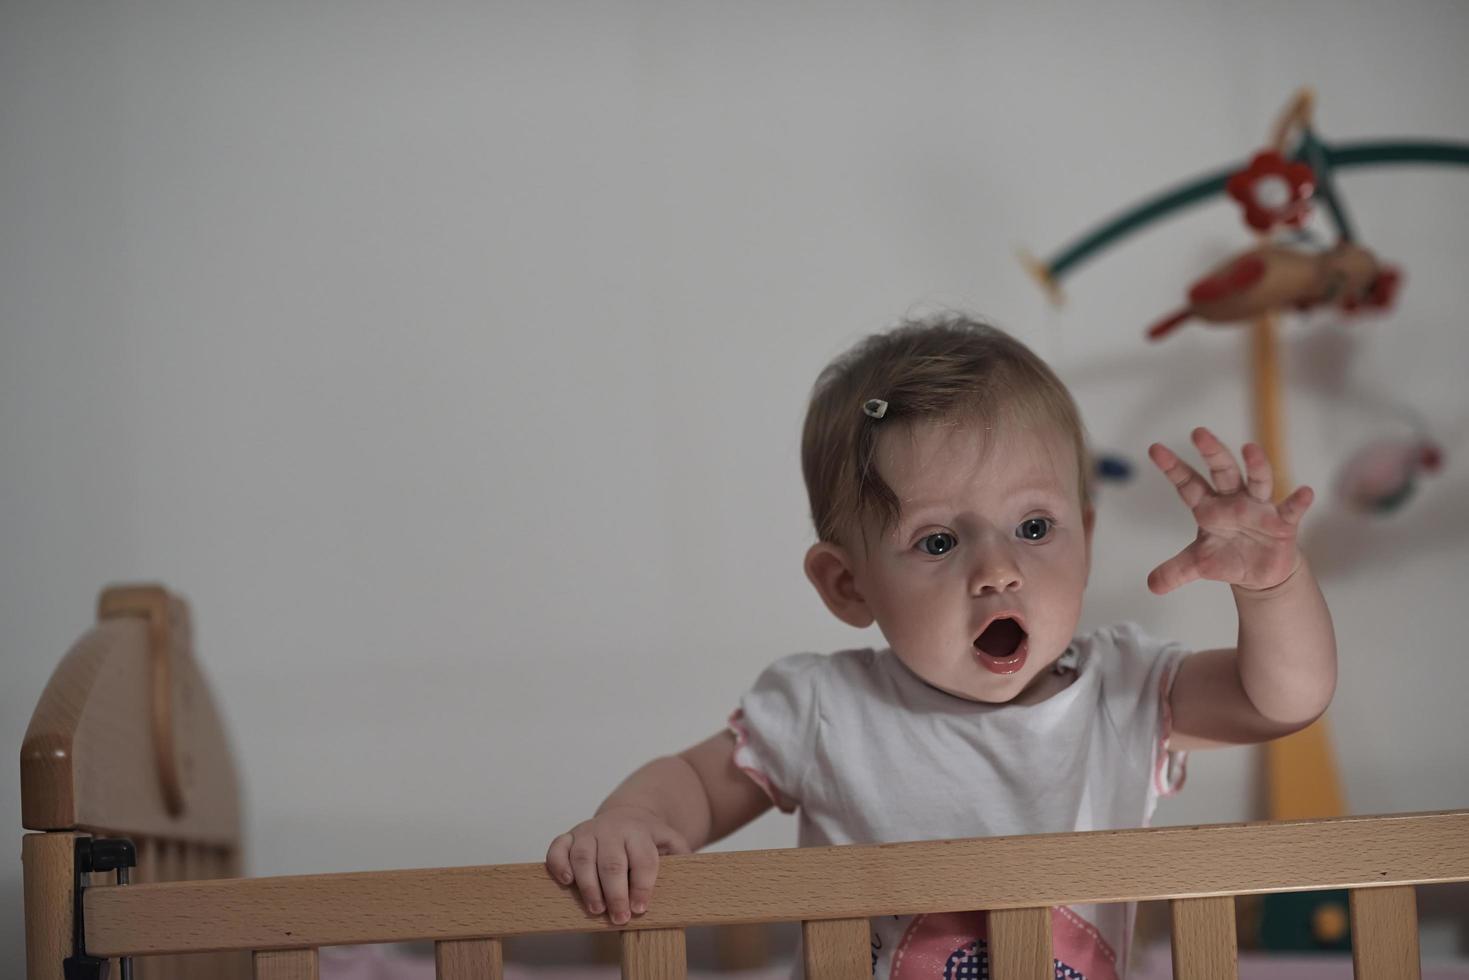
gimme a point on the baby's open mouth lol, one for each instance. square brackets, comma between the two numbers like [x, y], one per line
[1001, 639]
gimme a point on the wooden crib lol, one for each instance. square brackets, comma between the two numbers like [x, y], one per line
[126, 743]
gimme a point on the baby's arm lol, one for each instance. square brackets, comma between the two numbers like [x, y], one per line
[1282, 674]
[672, 805]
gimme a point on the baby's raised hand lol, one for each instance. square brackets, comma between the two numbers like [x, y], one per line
[1244, 538]
[613, 859]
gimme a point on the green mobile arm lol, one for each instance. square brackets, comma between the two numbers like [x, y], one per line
[1323, 159]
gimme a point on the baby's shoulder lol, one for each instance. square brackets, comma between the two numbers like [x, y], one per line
[1126, 657]
[818, 667]
[814, 675]
[1125, 637]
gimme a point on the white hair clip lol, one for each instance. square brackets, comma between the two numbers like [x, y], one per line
[875, 407]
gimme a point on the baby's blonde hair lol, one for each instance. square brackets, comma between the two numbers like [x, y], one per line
[943, 367]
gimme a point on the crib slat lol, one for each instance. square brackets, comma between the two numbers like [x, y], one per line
[215, 863]
[286, 964]
[168, 867]
[837, 949]
[654, 954]
[231, 866]
[469, 959]
[189, 866]
[145, 872]
[150, 869]
[1385, 933]
[1204, 939]
[1020, 944]
[234, 863]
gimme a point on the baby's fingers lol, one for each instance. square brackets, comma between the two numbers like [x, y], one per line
[584, 869]
[1220, 461]
[1259, 478]
[1294, 507]
[1179, 570]
[612, 868]
[558, 859]
[642, 872]
[1190, 486]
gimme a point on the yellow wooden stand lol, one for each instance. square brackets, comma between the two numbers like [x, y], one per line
[1300, 771]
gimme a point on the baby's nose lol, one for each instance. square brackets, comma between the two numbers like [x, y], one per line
[995, 575]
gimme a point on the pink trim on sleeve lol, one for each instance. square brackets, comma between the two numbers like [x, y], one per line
[1166, 782]
[744, 760]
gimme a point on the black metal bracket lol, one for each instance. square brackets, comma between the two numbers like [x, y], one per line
[95, 854]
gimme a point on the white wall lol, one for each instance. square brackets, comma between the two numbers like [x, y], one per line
[451, 358]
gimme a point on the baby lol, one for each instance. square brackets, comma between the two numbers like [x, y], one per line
[948, 477]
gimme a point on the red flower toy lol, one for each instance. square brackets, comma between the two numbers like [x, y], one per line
[1273, 190]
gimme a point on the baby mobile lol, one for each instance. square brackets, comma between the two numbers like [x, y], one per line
[1289, 270]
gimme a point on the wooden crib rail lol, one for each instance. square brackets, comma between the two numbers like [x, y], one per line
[1378, 857]
[126, 741]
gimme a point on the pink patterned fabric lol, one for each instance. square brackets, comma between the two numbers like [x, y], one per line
[955, 946]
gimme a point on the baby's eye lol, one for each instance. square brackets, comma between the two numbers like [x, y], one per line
[1034, 529]
[937, 543]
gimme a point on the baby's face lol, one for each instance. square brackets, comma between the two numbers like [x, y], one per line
[978, 587]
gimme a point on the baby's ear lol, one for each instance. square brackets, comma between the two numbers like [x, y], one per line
[830, 569]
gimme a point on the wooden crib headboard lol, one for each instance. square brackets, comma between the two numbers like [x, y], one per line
[126, 741]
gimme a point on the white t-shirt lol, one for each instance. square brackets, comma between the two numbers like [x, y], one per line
[868, 753]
